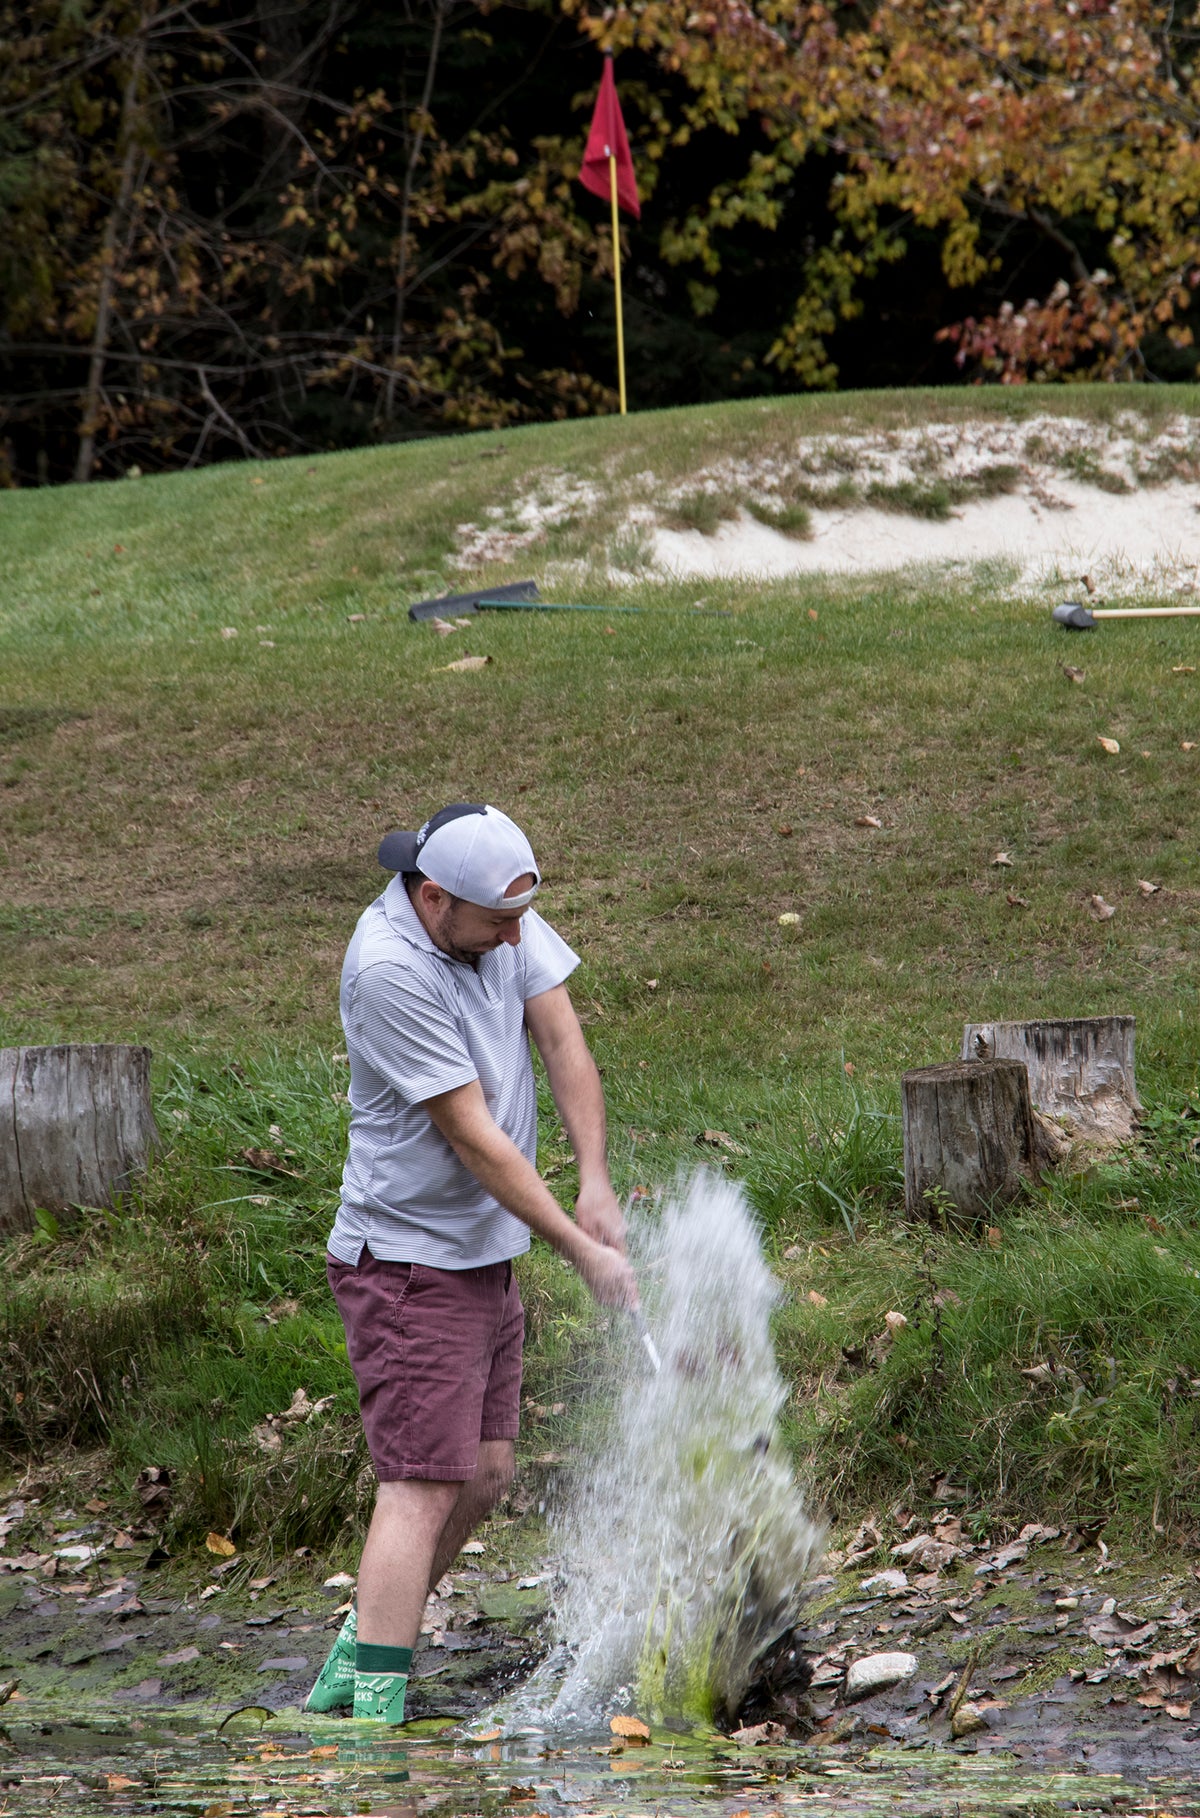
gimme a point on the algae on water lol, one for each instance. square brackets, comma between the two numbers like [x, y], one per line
[686, 1542]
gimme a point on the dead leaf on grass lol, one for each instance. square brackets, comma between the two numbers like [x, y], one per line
[1147, 888]
[1187, 744]
[1099, 910]
[868, 820]
[220, 1544]
[442, 628]
[994, 1236]
[1016, 902]
[815, 1299]
[466, 662]
[1112, 746]
[1072, 674]
[720, 1139]
[1001, 858]
[267, 1161]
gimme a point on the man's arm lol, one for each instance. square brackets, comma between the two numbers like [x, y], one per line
[493, 1158]
[575, 1082]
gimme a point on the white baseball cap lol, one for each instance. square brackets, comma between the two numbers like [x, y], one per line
[470, 849]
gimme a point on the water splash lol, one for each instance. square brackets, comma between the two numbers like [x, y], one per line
[686, 1543]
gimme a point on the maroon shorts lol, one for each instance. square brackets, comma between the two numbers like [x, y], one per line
[436, 1354]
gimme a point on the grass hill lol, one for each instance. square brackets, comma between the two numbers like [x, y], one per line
[212, 706]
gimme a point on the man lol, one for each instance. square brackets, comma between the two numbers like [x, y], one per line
[449, 973]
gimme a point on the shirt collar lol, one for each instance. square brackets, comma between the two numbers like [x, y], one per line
[404, 920]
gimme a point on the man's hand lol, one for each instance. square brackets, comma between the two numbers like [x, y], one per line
[607, 1274]
[598, 1212]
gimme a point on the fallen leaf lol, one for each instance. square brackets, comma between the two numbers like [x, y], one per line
[848, 1069]
[1001, 858]
[789, 919]
[1099, 910]
[355, 618]
[325, 1753]
[487, 1736]
[812, 612]
[116, 1783]
[815, 1299]
[610, 631]
[785, 832]
[868, 820]
[1147, 888]
[462, 624]
[1181, 1711]
[441, 627]
[229, 631]
[1183, 669]
[467, 662]
[220, 1544]
[720, 1139]
[1187, 744]
[632, 1728]
[652, 984]
[1088, 583]
[1072, 674]
[895, 1322]
[994, 1236]
[266, 1161]
[1016, 902]
[1112, 746]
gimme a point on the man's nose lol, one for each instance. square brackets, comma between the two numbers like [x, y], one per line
[511, 934]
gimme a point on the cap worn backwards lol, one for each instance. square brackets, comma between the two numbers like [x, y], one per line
[470, 849]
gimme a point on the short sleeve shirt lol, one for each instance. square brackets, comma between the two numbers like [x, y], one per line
[419, 1023]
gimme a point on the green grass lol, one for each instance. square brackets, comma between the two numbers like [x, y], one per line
[190, 821]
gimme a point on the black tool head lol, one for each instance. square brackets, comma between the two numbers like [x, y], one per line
[1074, 616]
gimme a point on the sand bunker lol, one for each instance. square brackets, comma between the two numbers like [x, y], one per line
[1143, 538]
[1051, 498]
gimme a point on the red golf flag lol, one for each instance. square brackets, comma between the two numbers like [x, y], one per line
[608, 136]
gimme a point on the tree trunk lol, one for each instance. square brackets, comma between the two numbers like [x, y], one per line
[968, 1137]
[106, 292]
[75, 1126]
[1080, 1073]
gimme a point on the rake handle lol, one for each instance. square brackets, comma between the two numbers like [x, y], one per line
[1145, 612]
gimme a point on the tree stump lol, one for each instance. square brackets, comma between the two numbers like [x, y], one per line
[1080, 1074]
[968, 1137]
[75, 1126]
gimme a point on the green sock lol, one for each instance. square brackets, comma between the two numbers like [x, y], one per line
[380, 1679]
[335, 1681]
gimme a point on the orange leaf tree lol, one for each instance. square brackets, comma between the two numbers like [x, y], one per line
[1062, 134]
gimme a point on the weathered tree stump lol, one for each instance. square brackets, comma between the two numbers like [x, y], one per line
[1080, 1074]
[75, 1126]
[968, 1137]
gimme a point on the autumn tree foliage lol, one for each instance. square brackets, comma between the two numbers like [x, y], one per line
[246, 227]
[1060, 137]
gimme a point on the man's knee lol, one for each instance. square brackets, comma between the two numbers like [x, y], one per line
[495, 1471]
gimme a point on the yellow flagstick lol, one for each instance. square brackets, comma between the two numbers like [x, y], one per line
[616, 233]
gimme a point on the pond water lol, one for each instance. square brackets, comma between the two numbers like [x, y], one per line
[259, 1765]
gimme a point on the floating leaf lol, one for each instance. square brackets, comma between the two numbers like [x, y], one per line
[632, 1728]
[220, 1544]
[1112, 746]
[1099, 909]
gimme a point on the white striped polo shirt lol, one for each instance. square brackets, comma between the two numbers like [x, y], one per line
[418, 1023]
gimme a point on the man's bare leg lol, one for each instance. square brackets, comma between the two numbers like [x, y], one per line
[476, 1497]
[393, 1577]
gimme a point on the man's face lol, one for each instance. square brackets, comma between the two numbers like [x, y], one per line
[464, 930]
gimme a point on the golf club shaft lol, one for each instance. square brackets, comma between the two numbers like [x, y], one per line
[643, 1332]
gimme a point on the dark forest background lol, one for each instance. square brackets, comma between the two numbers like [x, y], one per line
[265, 228]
